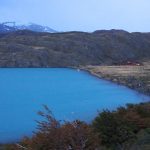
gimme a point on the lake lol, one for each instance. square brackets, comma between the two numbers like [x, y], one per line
[70, 94]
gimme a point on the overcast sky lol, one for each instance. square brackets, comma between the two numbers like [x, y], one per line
[81, 15]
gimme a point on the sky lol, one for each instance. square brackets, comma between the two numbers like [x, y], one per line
[79, 15]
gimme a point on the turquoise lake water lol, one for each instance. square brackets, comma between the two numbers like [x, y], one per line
[70, 94]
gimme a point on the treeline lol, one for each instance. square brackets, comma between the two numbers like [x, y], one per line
[127, 128]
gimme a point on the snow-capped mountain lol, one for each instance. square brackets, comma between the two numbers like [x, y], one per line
[36, 28]
[11, 27]
[5, 29]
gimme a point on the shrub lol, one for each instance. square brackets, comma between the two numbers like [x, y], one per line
[112, 128]
[52, 135]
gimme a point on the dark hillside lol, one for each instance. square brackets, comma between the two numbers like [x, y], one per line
[104, 47]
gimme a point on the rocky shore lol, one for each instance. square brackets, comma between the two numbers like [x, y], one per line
[134, 77]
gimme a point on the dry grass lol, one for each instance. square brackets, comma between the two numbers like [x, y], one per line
[136, 77]
[121, 70]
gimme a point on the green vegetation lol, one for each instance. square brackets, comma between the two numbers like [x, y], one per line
[127, 128]
[118, 127]
[113, 129]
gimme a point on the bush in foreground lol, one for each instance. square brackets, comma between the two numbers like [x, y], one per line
[52, 135]
[127, 128]
[118, 127]
[113, 129]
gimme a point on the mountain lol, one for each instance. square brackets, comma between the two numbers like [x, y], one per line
[12, 27]
[103, 47]
[36, 28]
[6, 29]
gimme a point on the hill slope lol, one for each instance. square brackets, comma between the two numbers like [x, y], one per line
[32, 49]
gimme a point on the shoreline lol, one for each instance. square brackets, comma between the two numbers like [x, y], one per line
[128, 81]
[120, 80]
